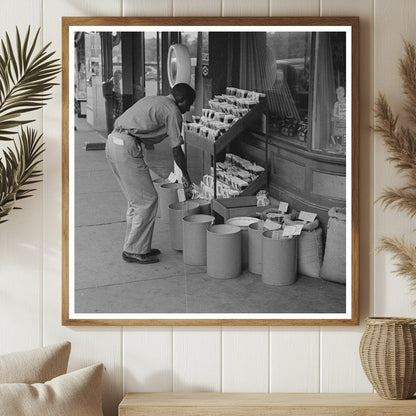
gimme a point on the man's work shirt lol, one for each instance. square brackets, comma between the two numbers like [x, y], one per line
[152, 119]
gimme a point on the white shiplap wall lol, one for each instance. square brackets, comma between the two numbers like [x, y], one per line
[260, 359]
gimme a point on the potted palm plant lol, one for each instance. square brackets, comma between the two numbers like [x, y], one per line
[388, 345]
[26, 78]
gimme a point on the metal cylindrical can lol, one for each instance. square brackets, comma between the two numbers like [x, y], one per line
[157, 184]
[195, 238]
[279, 259]
[223, 251]
[168, 195]
[243, 223]
[205, 205]
[255, 247]
[177, 211]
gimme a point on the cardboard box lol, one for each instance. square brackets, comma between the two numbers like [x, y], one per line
[241, 206]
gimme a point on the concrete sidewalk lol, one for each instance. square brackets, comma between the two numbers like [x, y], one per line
[104, 283]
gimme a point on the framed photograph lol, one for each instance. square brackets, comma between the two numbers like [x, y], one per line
[210, 171]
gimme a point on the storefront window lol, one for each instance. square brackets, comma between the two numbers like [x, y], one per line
[329, 103]
[152, 64]
[190, 40]
[288, 97]
[96, 115]
[117, 76]
[307, 99]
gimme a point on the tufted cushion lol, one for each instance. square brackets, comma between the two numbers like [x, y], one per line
[35, 366]
[73, 394]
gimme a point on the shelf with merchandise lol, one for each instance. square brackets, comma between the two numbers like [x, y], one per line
[212, 146]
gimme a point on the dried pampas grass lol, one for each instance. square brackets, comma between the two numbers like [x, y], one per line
[401, 144]
[404, 254]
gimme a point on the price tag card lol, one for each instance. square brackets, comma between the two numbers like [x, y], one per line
[289, 230]
[172, 177]
[271, 225]
[307, 216]
[181, 195]
[292, 230]
[299, 228]
[283, 206]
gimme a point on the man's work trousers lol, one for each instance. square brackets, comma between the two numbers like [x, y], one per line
[125, 156]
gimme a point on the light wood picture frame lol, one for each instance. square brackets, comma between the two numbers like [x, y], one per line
[311, 163]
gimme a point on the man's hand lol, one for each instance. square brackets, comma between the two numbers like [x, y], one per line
[180, 160]
[187, 187]
[186, 182]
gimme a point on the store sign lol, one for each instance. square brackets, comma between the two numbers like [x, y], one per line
[205, 64]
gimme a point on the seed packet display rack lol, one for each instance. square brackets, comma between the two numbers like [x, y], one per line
[213, 148]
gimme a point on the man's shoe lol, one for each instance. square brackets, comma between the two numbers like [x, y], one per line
[139, 258]
[153, 252]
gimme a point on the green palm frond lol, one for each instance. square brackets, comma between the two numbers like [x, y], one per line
[26, 77]
[19, 170]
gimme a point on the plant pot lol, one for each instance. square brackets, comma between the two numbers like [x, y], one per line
[388, 356]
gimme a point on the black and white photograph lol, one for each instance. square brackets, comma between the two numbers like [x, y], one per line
[210, 171]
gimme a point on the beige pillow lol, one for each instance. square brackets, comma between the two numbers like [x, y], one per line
[73, 394]
[35, 366]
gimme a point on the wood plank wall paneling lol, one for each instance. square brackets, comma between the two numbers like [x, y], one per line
[245, 8]
[196, 8]
[196, 359]
[394, 21]
[21, 238]
[294, 8]
[245, 359]
[231, 359]
[294, 351]
[147, 8]
[341, 370]
[147, 359]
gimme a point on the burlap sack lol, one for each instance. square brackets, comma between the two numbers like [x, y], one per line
[310, 248]
[334, 264]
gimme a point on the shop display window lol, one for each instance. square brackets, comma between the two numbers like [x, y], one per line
[117, 77]
[307, 96]
[152, 63]
[289, 95]
[190, 40]
[329, 101]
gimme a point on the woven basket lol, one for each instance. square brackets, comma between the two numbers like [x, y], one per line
[388, 356]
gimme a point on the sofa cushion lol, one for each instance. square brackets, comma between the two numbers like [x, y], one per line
[73, 394]
[35, 366]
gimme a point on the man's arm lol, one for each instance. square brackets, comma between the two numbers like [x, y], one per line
[180, 160]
